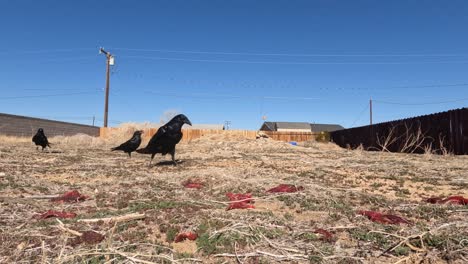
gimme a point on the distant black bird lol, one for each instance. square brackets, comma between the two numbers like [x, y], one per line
[130, 145]
[166, 138]
[40, 139]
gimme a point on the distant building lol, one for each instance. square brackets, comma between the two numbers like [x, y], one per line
[205, 126]
[286, 126]
[299, 127]
[325, 127]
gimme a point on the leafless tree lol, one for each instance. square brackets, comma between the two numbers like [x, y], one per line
[167, 115]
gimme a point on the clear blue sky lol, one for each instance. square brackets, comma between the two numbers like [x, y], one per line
[312, 61]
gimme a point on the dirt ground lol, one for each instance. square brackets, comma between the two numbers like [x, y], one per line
[282, 227]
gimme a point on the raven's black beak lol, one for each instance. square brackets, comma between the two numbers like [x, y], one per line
[188, 122]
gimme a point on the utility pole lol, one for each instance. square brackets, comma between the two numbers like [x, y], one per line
[109, 62]
[370, 110]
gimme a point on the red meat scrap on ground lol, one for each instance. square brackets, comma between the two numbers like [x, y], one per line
[325, 235]
[383, 218]
[451, 200]
[70, 197]
[289, 188]
[240, 201]
[185, 235]
[53, 213]
[193, 184]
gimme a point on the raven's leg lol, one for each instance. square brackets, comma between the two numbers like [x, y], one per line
[152, 157]
[173, 156]
[129, 154]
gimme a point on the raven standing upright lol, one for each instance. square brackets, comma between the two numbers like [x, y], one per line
[40, 139]
[130, 145]
[166, 138]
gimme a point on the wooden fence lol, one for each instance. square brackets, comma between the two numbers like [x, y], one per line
[24, 126]
[290, 136]
[191, 134]
[440, 133]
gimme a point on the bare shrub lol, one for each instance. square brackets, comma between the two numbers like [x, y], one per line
[413, 141]
[442, 149]
[384, 142]
[14, 139]
[360, 148]
[78, 140]
[323, 137]
[168, 115]
[409, 141]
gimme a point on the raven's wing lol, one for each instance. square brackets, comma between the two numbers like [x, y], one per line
[123, 146]
[35, 138]
[39, 139]
[45, 140]
[129, 145]
[162, 131]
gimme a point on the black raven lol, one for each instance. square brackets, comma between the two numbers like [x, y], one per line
[166, 138]
[130, 145]
[40, 139]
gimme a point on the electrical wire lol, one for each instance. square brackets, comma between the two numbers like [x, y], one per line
[44, 95]
[228, 96]
[360, 115]
[4, 52]
[293, 62]
[245, 84]
[425, 103]
[289, 54]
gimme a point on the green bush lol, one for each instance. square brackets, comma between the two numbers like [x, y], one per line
[323, 137]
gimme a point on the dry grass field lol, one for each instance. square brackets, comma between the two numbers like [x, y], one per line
[281, 228]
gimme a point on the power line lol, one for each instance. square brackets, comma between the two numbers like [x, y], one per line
[293, 62]
[290, 54]
[400, 87]
[360, 115]
[57, 89]
[3, 52]
[228, 96]
[43, 95]
[425, 103]
[245, 84]
[42, 60]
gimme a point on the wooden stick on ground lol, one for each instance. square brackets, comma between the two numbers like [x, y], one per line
[115, 219]
[41, 196]
[62, 226]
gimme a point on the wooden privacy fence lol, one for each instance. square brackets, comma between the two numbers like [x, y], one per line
[191, 134]
[290, 136]
[440, 133]
[24, 126]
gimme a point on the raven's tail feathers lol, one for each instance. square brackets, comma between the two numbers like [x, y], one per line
[115, 148]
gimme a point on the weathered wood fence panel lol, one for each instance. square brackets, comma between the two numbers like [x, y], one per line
[188, 134]
[24, 126]
[191, 134]
[290, 136]
[440, 132]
